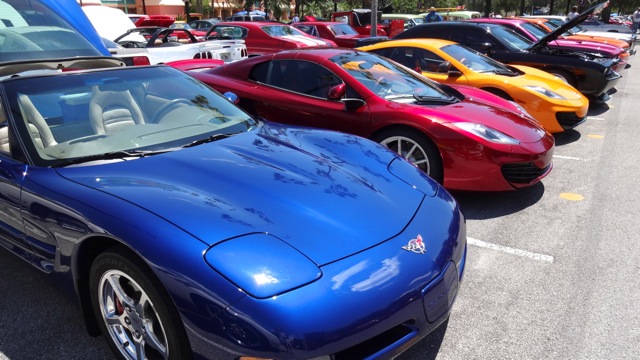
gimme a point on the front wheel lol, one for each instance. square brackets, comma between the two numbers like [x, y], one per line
[135, 314]
[416, 148]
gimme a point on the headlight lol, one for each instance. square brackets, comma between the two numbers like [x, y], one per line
[487, 133]
[546, 92]
[262, 265]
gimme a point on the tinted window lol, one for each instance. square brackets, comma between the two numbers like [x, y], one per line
[296, 76]
[31, 31]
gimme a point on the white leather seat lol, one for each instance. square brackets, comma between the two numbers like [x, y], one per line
[111, 111]
[38, 127]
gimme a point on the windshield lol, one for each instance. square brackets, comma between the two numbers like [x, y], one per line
[74, 115]
[534, 29]
[29, 30]
[388, 79]
[473, 60]
[511, 39]
[342, 29]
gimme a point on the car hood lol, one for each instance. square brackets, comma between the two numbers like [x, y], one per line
[568, 25]
[325, 193]
[490, 110]
[586, 45]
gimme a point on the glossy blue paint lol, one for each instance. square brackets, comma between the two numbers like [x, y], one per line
[326, 214]
[340, 200]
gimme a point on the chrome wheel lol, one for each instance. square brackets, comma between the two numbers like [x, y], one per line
[131, 318]
[416, 148]
[409, 150]
[134, 311]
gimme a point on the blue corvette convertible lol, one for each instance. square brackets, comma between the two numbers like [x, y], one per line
[189, 229]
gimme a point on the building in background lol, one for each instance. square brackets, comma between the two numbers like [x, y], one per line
[221, 8]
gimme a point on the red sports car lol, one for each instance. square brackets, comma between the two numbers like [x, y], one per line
[466, 138]
[266, 37]
[338, 32]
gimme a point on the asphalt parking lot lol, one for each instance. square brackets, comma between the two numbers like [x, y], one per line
[552, 270]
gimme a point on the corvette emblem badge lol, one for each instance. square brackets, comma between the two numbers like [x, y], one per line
[416, 245]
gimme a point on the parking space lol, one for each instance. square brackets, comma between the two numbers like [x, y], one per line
[552, 270]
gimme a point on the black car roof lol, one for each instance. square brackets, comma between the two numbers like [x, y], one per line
[422, 30]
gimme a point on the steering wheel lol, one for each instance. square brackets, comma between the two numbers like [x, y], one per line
[165, 109]
[130, 44]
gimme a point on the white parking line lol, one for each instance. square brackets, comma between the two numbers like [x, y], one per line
[509, 250]
[596, 118]
[570, 158]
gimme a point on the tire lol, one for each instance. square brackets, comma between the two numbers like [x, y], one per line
[416, 148]
[564, 75]
[147, 324]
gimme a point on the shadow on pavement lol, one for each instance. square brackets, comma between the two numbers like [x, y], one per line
[489, 205]
[428, 347]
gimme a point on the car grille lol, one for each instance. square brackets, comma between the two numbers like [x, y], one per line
[522, 173]
[381, 344]
[569, 120]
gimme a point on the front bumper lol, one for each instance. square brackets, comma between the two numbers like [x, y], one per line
[374, 304]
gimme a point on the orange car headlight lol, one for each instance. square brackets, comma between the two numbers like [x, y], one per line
[546, 92]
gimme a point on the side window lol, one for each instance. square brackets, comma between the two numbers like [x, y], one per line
[259, 72]
[301, 77]
[404, 56]
[427, 60]
[4, 138]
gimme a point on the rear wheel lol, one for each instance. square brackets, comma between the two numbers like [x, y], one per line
[416, 148]
[135, 314]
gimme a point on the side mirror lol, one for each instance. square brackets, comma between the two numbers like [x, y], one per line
[233, 98]
[444, 67]
[337, 92]
[487, 48]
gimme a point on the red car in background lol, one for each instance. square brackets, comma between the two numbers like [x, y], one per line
[342, 34]
[265, 37]
[466, 138]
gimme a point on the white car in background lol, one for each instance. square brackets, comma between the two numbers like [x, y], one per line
[161, 45]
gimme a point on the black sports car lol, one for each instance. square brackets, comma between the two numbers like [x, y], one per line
[591, 74]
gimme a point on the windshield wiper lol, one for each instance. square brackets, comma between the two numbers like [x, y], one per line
[208, 139]
[436, 99]
[108, 156]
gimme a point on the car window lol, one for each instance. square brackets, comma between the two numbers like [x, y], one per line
[386, 79]
[76, 115]
[309, 29]
[474, 60]
[535, 30]
[298, 76]
[342, 29]
[510, 39]
[29, 30]
[280, 31]
[232, 32]
[420, 59]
